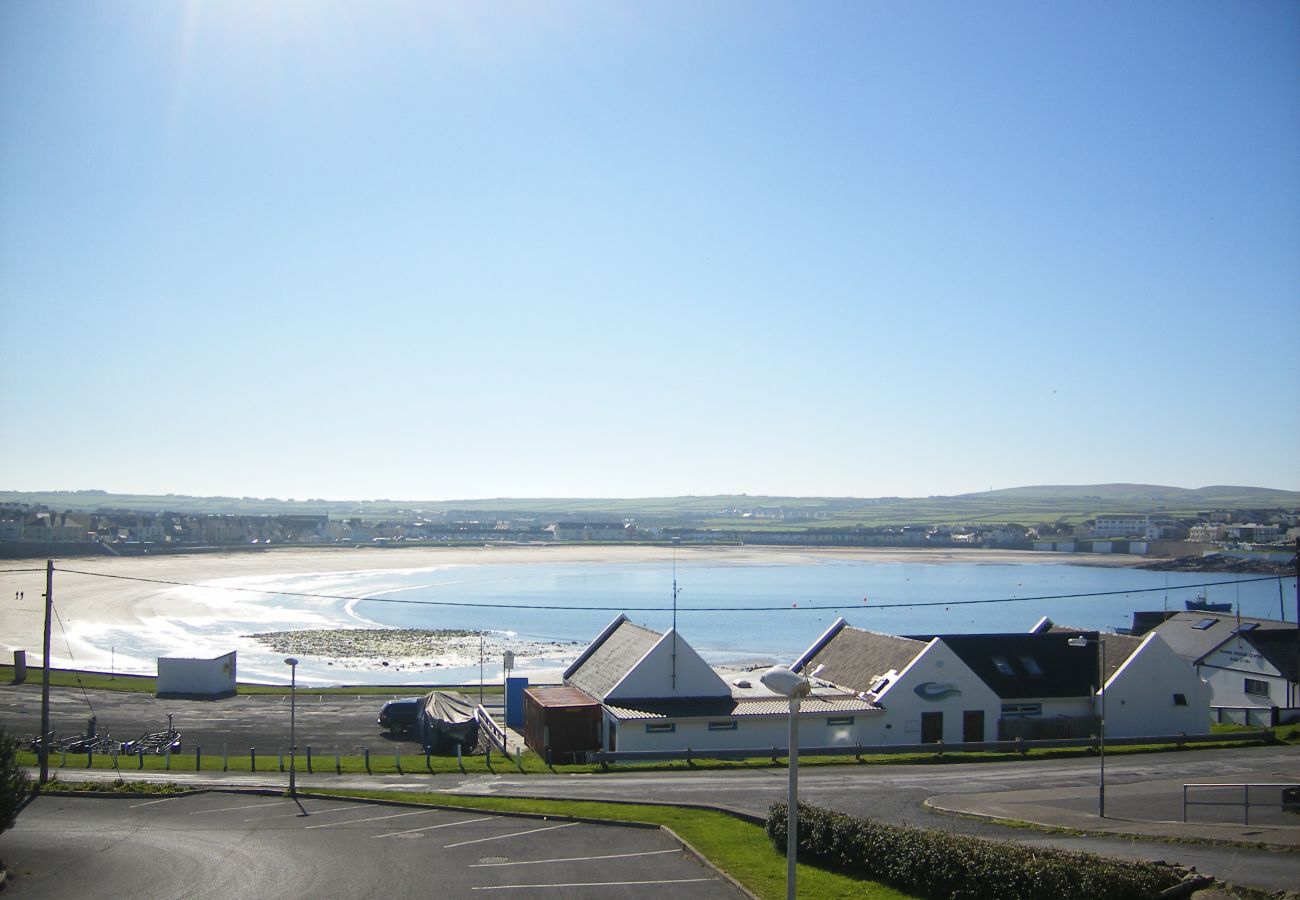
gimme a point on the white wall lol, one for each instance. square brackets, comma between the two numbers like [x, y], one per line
[934, 667]
[652, 676]
[1140, 695]
[752, 732]
[178, 675]
[1228, 667]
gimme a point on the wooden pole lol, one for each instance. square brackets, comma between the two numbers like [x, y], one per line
[45, 673]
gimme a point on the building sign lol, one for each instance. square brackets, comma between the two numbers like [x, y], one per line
[934, 691]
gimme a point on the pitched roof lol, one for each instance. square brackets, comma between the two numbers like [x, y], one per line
[1195, 634]
[610, 656]
[1021, 666]
[855, 658]
[1279, 647]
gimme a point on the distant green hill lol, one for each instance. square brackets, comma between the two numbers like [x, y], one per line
[1026, 505]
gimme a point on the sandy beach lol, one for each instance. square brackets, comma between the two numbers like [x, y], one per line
[88, 604]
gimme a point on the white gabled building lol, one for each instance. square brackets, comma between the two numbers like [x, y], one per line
[657, 693]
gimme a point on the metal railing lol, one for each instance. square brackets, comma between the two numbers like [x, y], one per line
[1014, 746]
[1282, 802]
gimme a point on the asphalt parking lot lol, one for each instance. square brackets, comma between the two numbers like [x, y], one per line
[323, 721]
[220, 844]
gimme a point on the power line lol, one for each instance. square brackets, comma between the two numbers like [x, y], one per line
[747, 609]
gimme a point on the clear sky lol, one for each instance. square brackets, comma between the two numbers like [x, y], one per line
[432, 250]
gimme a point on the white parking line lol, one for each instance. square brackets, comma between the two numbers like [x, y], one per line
[538, 862]
[589, 884]
[151, 802]
[199, 812]
[418, 812]
[512, 834]
[298, 815]
[432, 827]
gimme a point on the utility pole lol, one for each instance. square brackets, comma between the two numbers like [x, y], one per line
[45, 673]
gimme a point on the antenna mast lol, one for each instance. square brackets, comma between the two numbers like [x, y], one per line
[674, 683]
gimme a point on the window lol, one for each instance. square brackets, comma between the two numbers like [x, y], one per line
[1003, 666]
[879, 686]
[1022, 709]
[1204, 624]
[722, 726]
[660, 727]
[1247, 626]
[838, 720]
[1031, 665]
[1256, 688]
[1180, 699]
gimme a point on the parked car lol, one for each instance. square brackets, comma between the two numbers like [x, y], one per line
[400, 715]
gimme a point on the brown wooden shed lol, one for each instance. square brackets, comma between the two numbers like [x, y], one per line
[561, 724]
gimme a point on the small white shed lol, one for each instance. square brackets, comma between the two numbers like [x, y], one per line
[179, 676]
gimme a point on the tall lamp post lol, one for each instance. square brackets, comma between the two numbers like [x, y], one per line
[1082, 641]
[783, 681]
[293, 714]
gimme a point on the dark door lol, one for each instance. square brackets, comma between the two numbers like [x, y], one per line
[931, 727]
[972, 726]
[613, 736]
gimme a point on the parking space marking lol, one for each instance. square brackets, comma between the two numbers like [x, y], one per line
[199, 812]
[418, 812]
[431, 827]
[538, 862]
[151, 802]
[589, 884]
[499, 837]
[299, 815]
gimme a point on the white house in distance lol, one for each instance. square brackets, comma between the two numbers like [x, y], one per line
[1250, 663]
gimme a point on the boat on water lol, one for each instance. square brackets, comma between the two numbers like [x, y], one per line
[1201, 604]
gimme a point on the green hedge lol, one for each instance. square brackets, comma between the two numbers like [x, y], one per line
[942, 865]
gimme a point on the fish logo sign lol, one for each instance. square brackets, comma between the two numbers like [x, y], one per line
[934, 691]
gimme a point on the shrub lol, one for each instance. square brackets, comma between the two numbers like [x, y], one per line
[13, 781]
[942, 865]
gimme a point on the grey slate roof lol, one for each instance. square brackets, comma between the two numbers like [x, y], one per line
[1062, 670]
[1193, 644]
[603, 666]
[855, 658]
[1279, 647]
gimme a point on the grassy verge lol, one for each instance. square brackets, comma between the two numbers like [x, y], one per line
[147, 684]
[739, 848]
[408, 759]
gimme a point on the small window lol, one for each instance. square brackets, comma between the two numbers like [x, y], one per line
[1247, 626]
[879, 686]
[722, 726]
[1031, 665]
[660, 727]
[1204, 624]
[1022, 709]
[1003, 666]
[1256, 688]
[838, 720]
[1180, 699]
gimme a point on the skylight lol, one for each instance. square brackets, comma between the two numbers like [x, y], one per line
[1003, 666]
[1031, 665]
[1247, 626]
[1204, 624]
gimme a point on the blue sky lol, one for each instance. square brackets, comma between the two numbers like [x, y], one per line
[452, 250]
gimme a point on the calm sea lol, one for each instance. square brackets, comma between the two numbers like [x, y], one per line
[742, 612]
[732, 610]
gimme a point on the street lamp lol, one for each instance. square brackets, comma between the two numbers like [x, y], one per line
[293, 711]
[1082, 641]
[781, 680]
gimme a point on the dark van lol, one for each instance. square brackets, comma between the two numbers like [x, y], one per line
[398, 716]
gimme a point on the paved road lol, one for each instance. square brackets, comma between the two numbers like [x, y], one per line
[233, 845]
